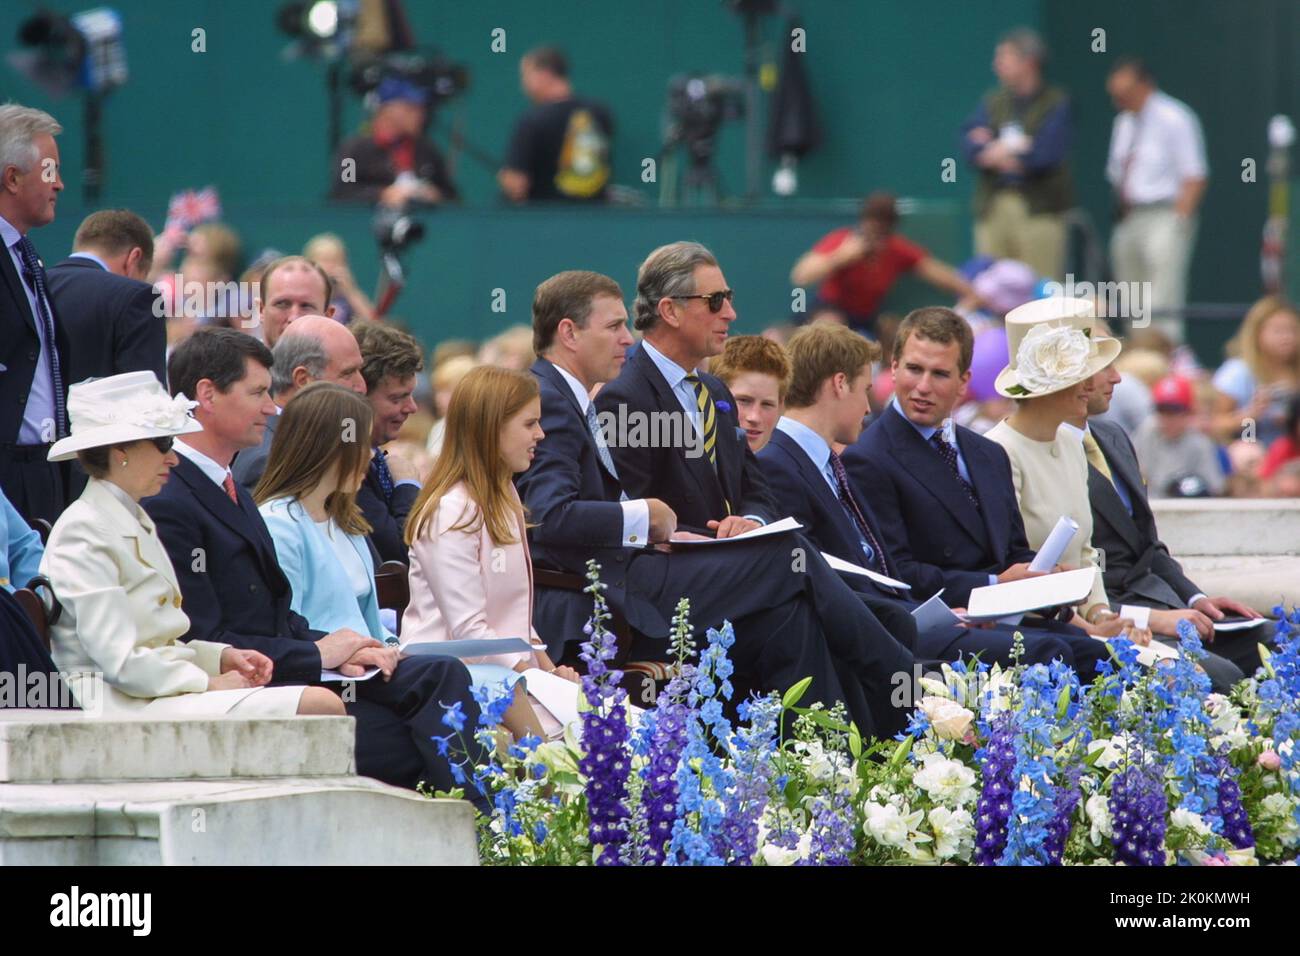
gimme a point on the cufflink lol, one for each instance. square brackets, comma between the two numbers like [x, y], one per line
[631, 537]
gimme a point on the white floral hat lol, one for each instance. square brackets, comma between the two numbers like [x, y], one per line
[1053, 343]
[120, 409]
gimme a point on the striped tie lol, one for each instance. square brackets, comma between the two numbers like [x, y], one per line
[708, 418]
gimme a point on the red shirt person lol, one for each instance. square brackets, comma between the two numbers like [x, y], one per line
[858, 266]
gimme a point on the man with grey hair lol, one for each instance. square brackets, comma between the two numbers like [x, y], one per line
[1018, 139]
[314, 349]
[33, 347]
[683, 308]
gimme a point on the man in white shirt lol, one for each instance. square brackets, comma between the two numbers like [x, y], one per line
[1158, 170]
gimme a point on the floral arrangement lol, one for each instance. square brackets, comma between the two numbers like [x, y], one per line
[1016, 766]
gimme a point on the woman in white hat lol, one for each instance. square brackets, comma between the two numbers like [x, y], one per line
[1055, 349]
[117, 642]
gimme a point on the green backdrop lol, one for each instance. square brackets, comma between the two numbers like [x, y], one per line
[892, 80]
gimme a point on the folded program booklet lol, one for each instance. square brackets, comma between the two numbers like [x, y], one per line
[1030, 594]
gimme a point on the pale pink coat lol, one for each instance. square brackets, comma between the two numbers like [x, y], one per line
[464, 585]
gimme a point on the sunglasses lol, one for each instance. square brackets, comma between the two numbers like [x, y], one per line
[164, 444]
[714, 299]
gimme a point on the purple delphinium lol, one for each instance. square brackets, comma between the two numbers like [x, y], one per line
[752, 747]
[666, 742]
[1236, 824]
[1058, 830]
[606, 759]
[998, 760]
[1137, 809]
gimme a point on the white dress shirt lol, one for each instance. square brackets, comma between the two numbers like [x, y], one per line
[206, 465]
[1170, 150]
[636, 512]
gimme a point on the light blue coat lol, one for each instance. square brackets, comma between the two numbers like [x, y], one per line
[20, 548]
[322, 592]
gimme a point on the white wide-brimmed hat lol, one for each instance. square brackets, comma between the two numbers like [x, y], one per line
[1053, 343]
[121, 409]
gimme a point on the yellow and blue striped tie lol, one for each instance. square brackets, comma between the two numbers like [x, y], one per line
[708, 418]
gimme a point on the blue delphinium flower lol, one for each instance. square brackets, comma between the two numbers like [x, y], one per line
[1033, 807]
[1185, 716]
[453, 716]
[606, 761]
[1279, 697]
[702, 777]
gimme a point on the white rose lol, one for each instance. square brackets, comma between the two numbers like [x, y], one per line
[954, 833]
[1097, 809]
[889, 826]
[950, 720]
[1187, 820]
[1051, 357]
[945, 780]
[774, 855]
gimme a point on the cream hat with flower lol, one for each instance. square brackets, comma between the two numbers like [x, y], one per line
[121, 409]
[1053, 343]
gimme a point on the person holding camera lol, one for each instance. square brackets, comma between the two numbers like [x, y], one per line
[857, 267]
[394, 164]
[559, 148]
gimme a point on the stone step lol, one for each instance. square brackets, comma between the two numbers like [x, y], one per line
[1222, 527]
[299, 821]
[39, 746]
[1260, 581]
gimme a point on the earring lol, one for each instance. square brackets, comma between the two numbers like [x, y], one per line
[123, 462]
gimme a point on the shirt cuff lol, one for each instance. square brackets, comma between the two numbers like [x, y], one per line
[636, 523]
[406, 481]
[755, 518]
[1191, 601]
[993, 579]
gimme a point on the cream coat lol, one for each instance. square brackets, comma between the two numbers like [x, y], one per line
[122, 618]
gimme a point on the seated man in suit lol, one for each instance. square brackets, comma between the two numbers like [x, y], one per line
[316, 349]
[683, 308]
[106, 306]
[943, 494]
[390, 361]
[1138, 568]
[235, 593]
[790, 622]
[829, 394]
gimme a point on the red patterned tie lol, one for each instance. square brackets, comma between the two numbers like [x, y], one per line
[229, 485]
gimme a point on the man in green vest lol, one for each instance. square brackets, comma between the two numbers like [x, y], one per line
[1017, 139]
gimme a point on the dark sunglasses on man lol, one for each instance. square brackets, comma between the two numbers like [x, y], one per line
[714, 299]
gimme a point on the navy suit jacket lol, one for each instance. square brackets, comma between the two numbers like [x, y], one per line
[573, 507]
[802, 493]
[20, 348]
[231, 583]
[932, 531]
[1139, 568]
[109, 319]
[388, 519]
[687, 485]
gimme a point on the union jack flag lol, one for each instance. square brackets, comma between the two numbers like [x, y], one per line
[190, 208]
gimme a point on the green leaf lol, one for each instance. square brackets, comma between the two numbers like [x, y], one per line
[795, 693]
[1063, 702]
[900, 754]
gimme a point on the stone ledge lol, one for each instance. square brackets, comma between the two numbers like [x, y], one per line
[1221, 527]
[343, 820]
[1260, 581]
[66, 746]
